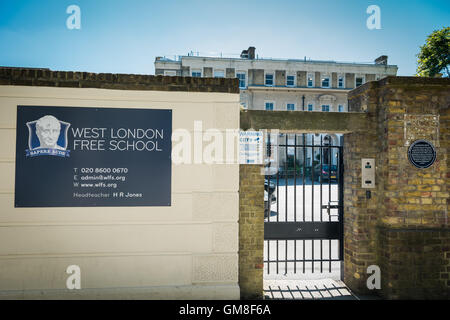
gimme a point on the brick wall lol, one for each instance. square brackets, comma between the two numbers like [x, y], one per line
[415, 263]
[409, 206]
[251, 231]
[360, 213]
[402, 225]
[69, 79]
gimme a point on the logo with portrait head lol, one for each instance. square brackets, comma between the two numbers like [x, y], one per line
[47, 136]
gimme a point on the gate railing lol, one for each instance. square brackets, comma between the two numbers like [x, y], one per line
[304, 215]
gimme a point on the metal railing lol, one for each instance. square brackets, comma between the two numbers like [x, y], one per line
[303, 212]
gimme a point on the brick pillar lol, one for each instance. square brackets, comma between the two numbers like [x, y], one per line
[360, 212]
[404, 228]
[251, 231]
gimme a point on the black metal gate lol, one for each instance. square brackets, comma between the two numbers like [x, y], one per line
[303, 227]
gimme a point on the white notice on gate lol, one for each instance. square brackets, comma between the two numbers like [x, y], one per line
[250, 147]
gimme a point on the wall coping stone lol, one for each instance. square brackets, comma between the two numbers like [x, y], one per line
[395, 81]
[304, 121]
[116, 81]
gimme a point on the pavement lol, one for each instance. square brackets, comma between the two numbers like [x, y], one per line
[322, 289]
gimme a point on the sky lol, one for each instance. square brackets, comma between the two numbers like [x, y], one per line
[125, 36]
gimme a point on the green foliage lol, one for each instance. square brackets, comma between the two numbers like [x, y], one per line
[434, 55]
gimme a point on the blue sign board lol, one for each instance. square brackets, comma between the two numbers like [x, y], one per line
[82, 157]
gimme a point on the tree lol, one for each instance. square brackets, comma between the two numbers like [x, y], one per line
[434, 55]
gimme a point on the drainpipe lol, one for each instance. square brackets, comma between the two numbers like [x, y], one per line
[303, 103]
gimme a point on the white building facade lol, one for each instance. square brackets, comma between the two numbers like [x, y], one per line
[284, 85]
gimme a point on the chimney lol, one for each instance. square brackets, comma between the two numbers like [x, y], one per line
[382, 60]
[249, 53]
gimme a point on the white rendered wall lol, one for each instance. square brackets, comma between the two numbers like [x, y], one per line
[186, 251]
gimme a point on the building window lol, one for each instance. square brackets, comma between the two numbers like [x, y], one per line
[219, 74]
[170, 73]
[269, 106]
[325, 108]
[359, 81]
[290, 106]
[341, 82]
[341, 108]
[325, 82]
[241, 76]
[196, 73]
[269, 79]
[290, 81]
[310, 107]
[310, 80]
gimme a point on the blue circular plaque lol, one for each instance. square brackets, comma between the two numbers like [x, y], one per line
[422, 154]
